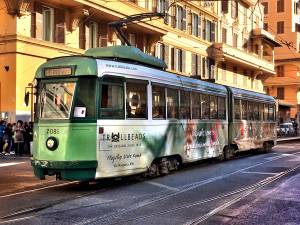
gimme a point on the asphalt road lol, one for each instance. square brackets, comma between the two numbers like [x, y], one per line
[252, 189]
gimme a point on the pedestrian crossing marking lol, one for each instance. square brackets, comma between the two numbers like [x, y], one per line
[10, 164]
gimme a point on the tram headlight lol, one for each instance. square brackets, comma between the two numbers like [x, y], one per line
[52, 143]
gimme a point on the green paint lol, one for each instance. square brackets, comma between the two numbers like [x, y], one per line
[128, 53]
[83, 65]
[77, 141]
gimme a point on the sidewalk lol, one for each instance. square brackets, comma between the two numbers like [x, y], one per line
[287, 139]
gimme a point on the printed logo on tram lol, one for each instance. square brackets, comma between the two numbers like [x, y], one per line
[117, 137]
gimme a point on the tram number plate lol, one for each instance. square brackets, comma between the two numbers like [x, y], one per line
[52, 131]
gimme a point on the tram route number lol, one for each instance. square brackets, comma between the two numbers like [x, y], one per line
[52, 131]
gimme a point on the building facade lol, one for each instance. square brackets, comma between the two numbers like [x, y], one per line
[218, 41]
[282, 18]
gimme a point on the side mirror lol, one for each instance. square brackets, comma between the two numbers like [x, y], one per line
[26, 98]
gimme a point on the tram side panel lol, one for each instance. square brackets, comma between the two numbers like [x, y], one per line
[129, 147]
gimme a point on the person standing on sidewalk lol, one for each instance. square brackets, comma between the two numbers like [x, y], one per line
[2, 131]
[8, 140]
[19, 137]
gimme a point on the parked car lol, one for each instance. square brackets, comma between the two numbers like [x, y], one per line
[286, 129]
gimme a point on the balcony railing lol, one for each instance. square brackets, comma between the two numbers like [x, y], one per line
[225, 52]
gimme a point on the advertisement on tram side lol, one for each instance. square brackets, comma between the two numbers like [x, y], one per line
[120, 151]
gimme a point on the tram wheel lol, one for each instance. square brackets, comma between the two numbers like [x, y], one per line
[267, 147]
[153, 170]
[228, 153]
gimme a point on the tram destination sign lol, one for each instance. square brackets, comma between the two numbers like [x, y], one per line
[58, 71]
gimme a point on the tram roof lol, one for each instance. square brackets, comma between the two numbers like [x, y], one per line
[251, 95]
[127, 53]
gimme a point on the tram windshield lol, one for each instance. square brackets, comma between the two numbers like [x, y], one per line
[56, 100]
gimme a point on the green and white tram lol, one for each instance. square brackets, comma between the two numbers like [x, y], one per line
[115, 112]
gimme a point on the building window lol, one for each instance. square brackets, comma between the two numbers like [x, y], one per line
[297, 8]
[280, 93]
[93, 35]
[266, 26]
[178, 60]
[132, 39]
[180, 18]
[234, 9]
[297, 27]
[161, 6]
[48, 23]
[235, 40]
[208, 68]
[208, 30]
[280, 6]
[196, 65]
[196, 25]
[280, 27]
[160, 51]
[266, 5]
[224, 35]
[224, 6]
[280, 71]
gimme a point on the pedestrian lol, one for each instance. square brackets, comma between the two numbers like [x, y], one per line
[8, 139]
[295, 125]
[2, 130]
[27, 138]
[19, 138]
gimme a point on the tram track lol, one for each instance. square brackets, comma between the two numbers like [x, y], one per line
[159, 196]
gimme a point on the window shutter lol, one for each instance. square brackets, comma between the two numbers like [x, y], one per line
[166, 54]
[167, 12]
[225, 6]
[173, 16]
[194, 66]
[38, 21]
[199, 26]
[175, 59]
[183, 63]
[59, 21]
[103, 34]
[212, 34]
[82, 36]
[189, 22]
[199, 65]
[204, 29]
[208, 30]
[87, 35]
[183, 24]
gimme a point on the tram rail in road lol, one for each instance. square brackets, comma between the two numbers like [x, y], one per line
[159, 196]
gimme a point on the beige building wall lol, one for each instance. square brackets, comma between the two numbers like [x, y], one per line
[23, 47]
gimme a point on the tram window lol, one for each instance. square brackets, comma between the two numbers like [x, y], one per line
[266, 111]
[205, 106]
[213, 107]
[250, 111]
[85, 106]
[221, 108]
[196, 102]
[185, 105]
[255, 111]
[112, 101]
[136, 100]
[271, 112]
[237, 109]
[244, 110]
[172, 103]
[261, 112]
[158, 102]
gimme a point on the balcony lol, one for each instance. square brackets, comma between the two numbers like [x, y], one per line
[221, 52]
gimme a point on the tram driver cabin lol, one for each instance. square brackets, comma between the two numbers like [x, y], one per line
[115, 111]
